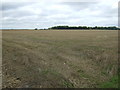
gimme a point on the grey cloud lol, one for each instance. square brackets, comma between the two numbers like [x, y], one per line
[13, 5]
[80, 5]
[17, 14]
[20, 15]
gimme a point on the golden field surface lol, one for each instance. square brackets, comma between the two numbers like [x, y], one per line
[59, 59]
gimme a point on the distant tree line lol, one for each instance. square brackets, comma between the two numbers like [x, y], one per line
[85, 27]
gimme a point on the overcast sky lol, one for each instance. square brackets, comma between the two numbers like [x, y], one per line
[48, 13]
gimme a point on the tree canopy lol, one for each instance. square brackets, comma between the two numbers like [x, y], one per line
[85, 27]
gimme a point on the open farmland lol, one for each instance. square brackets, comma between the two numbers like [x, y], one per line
[59, 59]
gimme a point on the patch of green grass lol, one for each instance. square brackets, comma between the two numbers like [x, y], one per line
[45, 72]
[68, 84]
[82, 74]
[49, 71]
[112, 83]
[104, 73]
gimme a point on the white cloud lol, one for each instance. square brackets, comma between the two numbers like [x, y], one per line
[47, 13]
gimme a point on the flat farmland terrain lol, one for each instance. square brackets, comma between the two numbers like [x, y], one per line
[59, 59]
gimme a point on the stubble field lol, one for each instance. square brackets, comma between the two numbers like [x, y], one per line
[59, 59]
